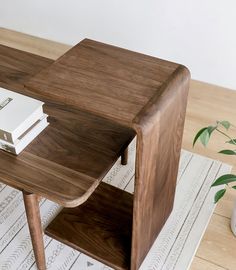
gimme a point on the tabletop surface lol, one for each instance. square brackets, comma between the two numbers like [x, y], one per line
[109, 81]
[92, 94]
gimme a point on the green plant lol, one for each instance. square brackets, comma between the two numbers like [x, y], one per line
[204, 136]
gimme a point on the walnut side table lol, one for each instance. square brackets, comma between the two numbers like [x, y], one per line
[99, 97]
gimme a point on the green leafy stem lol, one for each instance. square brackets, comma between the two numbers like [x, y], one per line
[204, 136]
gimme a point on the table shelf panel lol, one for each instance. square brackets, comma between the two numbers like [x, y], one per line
[100, 228]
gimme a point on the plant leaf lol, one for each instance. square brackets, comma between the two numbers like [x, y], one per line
[225, 124]
[227, 152]
[204, 137]
[199, 134]
[234, 187]
[219, 194]
[233, 141]
[224, 179]
[211, 129]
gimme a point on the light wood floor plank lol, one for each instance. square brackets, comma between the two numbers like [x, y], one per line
[201, 264]
[36, 45]
[218, 245]
[225, 207]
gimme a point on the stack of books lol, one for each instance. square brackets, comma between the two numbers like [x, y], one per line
[21, 120]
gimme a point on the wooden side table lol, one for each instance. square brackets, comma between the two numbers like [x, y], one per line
[98, 98]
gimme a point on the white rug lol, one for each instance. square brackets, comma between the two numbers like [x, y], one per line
[174, 248]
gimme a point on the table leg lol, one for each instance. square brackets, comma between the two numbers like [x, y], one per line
[35, 228]
[124, 157]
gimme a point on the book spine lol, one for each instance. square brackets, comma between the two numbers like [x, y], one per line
[6, 136]
[29, 121]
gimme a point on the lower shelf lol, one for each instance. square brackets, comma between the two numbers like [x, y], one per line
[100, 228]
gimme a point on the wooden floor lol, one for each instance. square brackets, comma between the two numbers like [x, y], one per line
[206, 104]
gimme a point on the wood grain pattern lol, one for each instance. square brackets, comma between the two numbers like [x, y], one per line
[35, 45]
[17, 67]
[146, 93]
[201, 264]
[107, 217]
[221, 250]
[225, 207]
[159, 128]
[97, 96]
[35, 228]
[107, 80]
[67, 161]
[203, 99]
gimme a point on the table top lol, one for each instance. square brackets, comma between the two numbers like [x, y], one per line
[93, 94]
[106, 80]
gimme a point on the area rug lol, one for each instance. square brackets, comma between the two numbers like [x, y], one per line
[174, 248]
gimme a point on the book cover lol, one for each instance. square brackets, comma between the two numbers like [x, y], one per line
[17, 114]
[26, 138]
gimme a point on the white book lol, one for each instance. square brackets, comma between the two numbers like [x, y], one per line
[17, 114]
[26, 138]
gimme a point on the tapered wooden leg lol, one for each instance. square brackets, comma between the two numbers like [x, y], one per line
[35, 228]
[124, 157]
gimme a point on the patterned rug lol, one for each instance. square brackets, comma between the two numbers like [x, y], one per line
[174, 248]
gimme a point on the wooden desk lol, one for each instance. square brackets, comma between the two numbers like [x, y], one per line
[98, 98]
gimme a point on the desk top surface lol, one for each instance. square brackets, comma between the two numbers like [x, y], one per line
[92, 94]
[106, 80]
